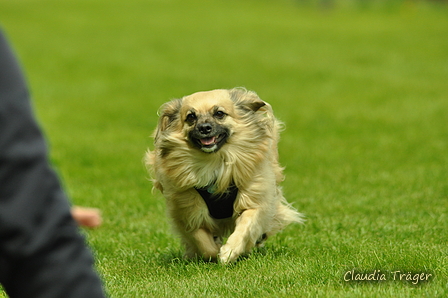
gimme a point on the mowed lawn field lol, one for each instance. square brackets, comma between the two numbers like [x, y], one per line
[362, 89]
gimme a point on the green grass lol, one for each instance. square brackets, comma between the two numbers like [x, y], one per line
[363, 92]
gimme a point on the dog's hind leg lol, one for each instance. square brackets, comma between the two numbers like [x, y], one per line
[260, 242]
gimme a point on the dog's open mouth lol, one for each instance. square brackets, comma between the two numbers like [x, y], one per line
[211, 144]
[211, 141]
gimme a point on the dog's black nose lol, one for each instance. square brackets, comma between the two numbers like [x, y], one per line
[205, 128]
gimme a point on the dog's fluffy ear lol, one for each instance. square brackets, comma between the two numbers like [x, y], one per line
[168, 113]
[247, 100]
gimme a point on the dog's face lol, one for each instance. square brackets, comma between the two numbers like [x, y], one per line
[207, 120]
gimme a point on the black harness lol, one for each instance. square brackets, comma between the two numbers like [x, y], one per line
[219, 206]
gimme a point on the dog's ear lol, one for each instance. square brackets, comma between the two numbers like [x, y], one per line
[168, 113]
[246, 100]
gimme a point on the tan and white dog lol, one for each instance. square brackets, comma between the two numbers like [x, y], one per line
[216, 162]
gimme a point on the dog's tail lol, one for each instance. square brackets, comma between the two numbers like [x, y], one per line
[286, 214]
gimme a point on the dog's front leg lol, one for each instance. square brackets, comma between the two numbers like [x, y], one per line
[206, 245]
[247, 231]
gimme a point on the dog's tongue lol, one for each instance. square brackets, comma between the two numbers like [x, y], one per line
[208, 141]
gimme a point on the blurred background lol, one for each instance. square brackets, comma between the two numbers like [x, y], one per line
[362, 86]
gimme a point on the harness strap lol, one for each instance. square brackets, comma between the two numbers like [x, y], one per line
[219, 206]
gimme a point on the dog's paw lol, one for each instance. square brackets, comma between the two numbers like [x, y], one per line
[227, 255]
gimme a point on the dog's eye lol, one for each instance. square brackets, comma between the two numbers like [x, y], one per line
[219, 114]
[191, 117]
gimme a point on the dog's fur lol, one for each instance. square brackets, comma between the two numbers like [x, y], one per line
[220, 139]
